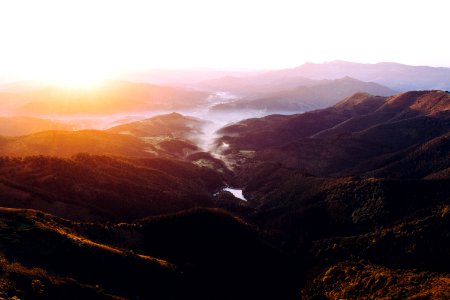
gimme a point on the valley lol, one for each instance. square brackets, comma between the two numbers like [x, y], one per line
[343, 195]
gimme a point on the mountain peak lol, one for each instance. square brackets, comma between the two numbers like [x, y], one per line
[361, 102]
[348, 78]
[173, 116]
[425, 102]
[339, 62]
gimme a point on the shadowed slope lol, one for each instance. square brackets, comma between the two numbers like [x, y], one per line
[354, 136]
[105, 188]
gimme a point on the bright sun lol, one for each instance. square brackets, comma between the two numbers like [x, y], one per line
[78, 73]
[74, 78]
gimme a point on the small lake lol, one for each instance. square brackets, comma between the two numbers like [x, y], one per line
[236, 192]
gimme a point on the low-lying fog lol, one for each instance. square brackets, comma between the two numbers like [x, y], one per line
[216, 119]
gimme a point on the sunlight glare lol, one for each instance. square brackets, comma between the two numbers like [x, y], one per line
[79, 42]
[79, 78]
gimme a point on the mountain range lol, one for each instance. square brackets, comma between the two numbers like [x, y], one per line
[349, 201]
[399, 77]
[351, 137]
[315, 94]
[395, 76]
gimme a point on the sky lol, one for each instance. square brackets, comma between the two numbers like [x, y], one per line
[71, 40]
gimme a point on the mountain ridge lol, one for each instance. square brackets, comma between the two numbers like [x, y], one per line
[321, 94]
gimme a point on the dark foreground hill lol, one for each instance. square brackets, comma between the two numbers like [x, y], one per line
[42, 257]
[211, 255]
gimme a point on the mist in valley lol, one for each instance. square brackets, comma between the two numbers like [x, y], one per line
[273, 181]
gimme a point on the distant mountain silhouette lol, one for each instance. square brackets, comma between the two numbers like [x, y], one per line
[255, 86]
[396, 76]
[399, 77]
[46, 257]
[320, 94]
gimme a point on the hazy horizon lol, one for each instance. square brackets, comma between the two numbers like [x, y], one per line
[128, 75]
[70, 41]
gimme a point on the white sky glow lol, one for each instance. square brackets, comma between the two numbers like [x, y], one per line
[70, 40]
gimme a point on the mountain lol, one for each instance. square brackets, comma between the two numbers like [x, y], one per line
[393, 75]
[254, 86]
[111, 97]
[361, 190]
[45, 257]
[350, 280]
[401, 260]
[345, 202]
[169, 135]
[173, 124]
[274, 85]
[399, 77]
[425, 161]
[240, 257]
[172, 133]
[367, 160]
[339, 140]
[321, 94]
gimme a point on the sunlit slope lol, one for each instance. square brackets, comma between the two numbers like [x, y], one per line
[170, 135]
[68, 143]
[171, 125]
[15, 126]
